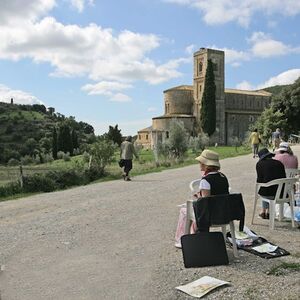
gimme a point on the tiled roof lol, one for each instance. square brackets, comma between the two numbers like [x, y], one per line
[244, 92]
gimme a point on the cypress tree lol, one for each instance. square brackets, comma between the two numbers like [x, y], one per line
[54, 143]
[208, 104]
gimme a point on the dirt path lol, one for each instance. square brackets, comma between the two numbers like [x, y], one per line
[114, 240]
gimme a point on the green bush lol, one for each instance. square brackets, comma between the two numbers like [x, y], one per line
[10, 189]
[94, 173]
[13, 162]
[38, 183]
[67, 178]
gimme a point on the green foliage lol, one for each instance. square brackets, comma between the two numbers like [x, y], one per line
[54, 143]
[18, 123]
[283, 113]
[114, 134]
[64, 139]
[199, 142]
[38, 183]
[178, 139]
[10, 189]
[102, 154]
[13, 162]
[208, 104]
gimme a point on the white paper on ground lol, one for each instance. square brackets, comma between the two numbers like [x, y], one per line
[264, 248]
[202, 286]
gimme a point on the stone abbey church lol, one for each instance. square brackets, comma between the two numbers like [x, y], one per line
[235, 109]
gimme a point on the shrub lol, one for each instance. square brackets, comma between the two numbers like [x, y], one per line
[38, 183]
[66, 156]
[27, 160]
[86, 157]
[60, 154]
[94, 173]
[10, 189]
[13, 162]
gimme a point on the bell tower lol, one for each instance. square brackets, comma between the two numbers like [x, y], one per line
[201, 58]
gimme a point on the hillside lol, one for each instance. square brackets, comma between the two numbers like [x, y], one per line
[25, 128]
[276, 89]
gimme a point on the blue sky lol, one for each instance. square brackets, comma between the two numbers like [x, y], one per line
[108, 62]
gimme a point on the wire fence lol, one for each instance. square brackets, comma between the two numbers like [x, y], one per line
[13, 174]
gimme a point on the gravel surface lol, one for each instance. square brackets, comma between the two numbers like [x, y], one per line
[115, 240]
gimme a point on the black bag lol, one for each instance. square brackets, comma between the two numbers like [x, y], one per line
[121, 163]
[204, 249]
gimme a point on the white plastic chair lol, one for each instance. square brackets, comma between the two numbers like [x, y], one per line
[190, 217]
[291, 173]
[284, 194]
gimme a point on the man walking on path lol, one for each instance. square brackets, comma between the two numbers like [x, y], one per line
[127, 152]
[254, 140]
[276, 138]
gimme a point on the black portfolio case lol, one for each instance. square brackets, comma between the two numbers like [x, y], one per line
[204, 249]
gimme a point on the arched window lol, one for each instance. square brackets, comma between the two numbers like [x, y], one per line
[200, 66]
[251, 118]
[167, 134]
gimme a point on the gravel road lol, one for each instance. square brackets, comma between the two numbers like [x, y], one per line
[115, 240]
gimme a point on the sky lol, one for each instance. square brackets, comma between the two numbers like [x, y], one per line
[107, 62]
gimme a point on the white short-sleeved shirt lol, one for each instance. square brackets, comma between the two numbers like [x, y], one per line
[204, 184]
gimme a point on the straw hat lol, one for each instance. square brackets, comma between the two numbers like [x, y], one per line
[209, 158]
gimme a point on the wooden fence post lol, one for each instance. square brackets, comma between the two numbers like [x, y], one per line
[21, 176]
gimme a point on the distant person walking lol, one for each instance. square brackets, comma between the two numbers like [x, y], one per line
[276, 138]
[127, 152]
[254, 140]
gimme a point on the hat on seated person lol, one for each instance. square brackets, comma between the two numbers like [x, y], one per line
[263, 153]
[209, 158]
[283, 146]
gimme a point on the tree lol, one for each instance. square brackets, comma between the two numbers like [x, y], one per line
[64, 140]
[114, 134]
[178, 139]
[283, 112]
[54, 144]
[102, 153]
[208, 104]
[75, 139]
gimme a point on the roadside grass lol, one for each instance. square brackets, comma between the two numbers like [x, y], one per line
[284, 268]
[145, 164]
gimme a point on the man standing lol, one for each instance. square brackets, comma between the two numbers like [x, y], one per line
[127, 152]
[268, 169]
[254, 141]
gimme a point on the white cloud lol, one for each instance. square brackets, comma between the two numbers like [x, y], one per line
[245, 85]
[105, 88]
[119, 97]
[93, 51]
[190, 49]
[151, 109]
[287, 77]
[15, 11]
[265, 46]
[19, 97]
[223, 11]
[80, 4]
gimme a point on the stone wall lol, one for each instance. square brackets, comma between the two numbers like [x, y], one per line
[178, 101]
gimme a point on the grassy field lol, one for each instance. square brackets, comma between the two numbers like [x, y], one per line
[145, 164]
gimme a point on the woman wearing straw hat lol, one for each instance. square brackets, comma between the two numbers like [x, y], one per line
[213, 182]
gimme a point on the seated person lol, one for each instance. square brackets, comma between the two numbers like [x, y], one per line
[213, 182]
[268, 169]
[285, 154]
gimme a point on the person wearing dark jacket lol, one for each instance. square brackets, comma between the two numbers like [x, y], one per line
[268, 169]
[127, 152]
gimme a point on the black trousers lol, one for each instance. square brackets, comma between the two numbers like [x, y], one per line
[127, 166]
